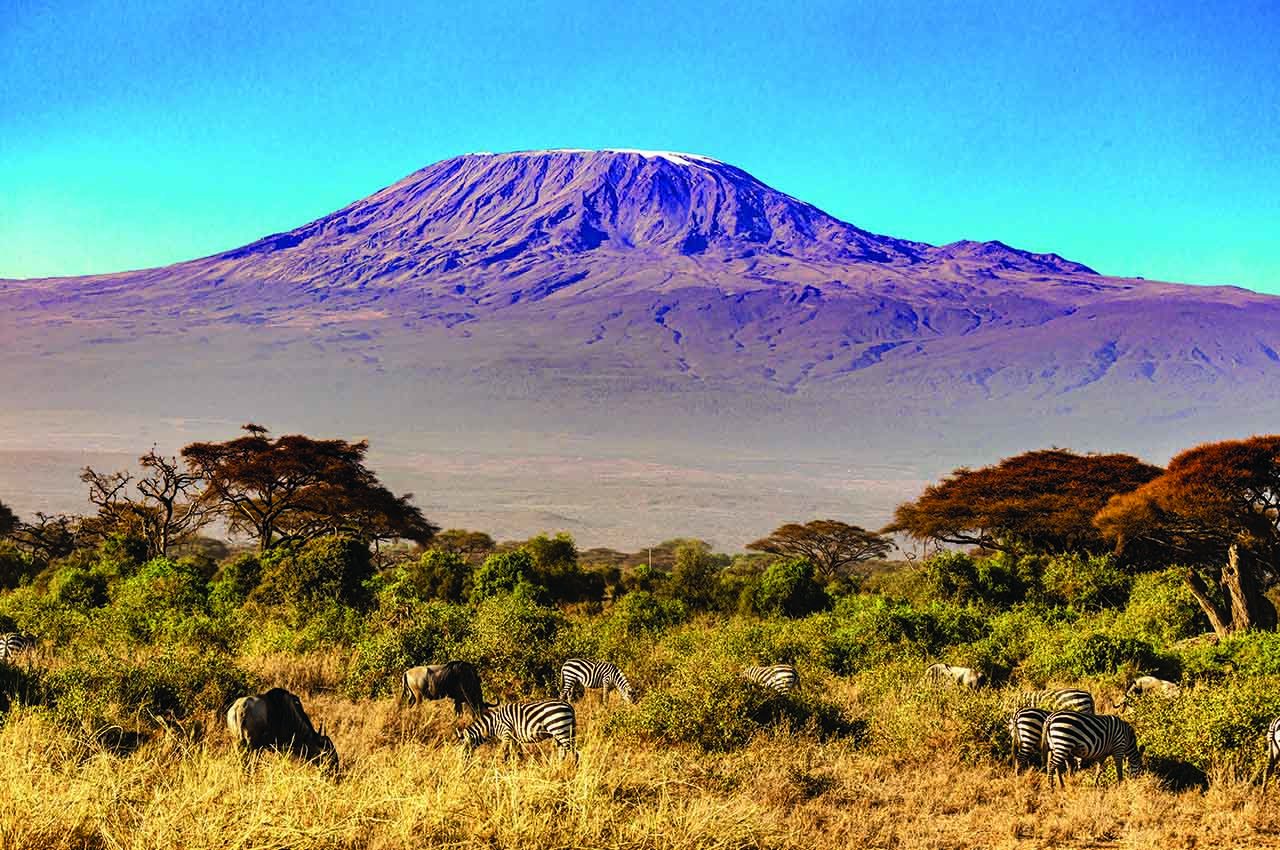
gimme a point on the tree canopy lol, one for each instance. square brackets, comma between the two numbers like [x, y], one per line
[295, 488]
[8, 520]
[1041, 501]
[1216, 511]
[832, 547]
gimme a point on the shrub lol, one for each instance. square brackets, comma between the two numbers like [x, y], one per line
[1219, 726]
[787, 587]
[77, 587]
[1085, 581]
[435, 631]
[97, 690]
[511, 639]
[500, 573]
[707, 703]
[322, 571]
[1162, 609]
[1069, 653]
[235, 581]
[16, 566]
[160, 599]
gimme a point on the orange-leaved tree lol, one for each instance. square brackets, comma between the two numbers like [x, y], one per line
[295, 488]
[831, 546]
[1038, 501]
[1216, 513]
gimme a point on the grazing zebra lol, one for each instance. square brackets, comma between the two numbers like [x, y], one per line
[524, 723]
[15, 643]
[1026, 729]
[1075, 740]
[578, 674]
[1058, 699]
[782, 678]
[1273, 750]
[947, 674]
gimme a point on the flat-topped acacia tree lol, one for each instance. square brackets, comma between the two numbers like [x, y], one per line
[1039, 501]
[1216, 513]
[295, 488]
[831, 546]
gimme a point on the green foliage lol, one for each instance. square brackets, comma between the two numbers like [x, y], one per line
[787, 587]
[99, 689]
[77, 587]
[121, 555]
[1072, 653]
[432, 635]
[694, 575]
[235, 581]
[16, 566]
[511, 639]
[1161, 609]
[438, 574]
[500, 573]
[1213, 726]
[322, 571]
[1085, 581]
[164, 601]
[864, 631]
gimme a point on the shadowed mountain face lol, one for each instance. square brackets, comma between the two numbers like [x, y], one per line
[599, 309]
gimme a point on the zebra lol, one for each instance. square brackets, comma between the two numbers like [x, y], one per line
[15, 643]
[524, 723]
[1088, 739]
[1026, 729]
[1058, 699]
[578, 674]
[782, 678]
[1273, 750]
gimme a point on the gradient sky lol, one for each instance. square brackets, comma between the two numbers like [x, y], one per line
[1141, 139]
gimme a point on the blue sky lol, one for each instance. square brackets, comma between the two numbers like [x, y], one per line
[1138, 138]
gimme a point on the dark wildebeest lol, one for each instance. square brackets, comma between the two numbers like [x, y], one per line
[275, 721]
[456, 680]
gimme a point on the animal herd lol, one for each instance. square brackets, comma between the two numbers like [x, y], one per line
[1058, 730]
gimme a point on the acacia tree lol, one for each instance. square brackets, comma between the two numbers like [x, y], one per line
[47, 537]
[295, 488]
[165, 510]
[1215, 512]
[832, 547]
[468, 545]
[1041, 501]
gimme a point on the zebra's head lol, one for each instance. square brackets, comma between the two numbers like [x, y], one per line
[479, 731]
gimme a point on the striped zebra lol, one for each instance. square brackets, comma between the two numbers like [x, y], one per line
[578, 674]
[782, 678]
[1273, 750]
[1058, 699]
[1026, 730]
[1076, 740]
[524, 723]
[15, 643]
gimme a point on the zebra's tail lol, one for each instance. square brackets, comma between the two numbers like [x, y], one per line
[404, 688]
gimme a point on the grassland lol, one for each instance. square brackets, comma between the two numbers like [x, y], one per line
[404, 784]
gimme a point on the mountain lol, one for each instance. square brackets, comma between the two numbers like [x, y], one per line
[628, 322]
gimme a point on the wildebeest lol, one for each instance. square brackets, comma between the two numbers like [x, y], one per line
[456, 680]
[946, 673]
[1149, 685]
[276, 721]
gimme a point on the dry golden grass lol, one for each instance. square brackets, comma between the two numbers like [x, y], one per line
[404, 784]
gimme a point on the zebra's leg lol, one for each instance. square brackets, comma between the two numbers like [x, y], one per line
[604, 694]
[1119, 769]
[1266, 771]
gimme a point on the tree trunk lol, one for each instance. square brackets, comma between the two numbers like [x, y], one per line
[1219, 616]
[1243, 607]
[1250, 609]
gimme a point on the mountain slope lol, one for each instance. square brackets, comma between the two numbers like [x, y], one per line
[639, 304]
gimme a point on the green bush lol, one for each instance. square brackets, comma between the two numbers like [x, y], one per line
[164, 601]
[326, 569]
[707, 703]
[1088, 582]
[961, 578]
[237, 578]
[431, 635]
[16, 566]
[867, 630]
[102, 689]
[1217, 726]
[511, 639]
[787, 587]
[1161, 609]
[501, 573]
[81, 588]
[1069, 653]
